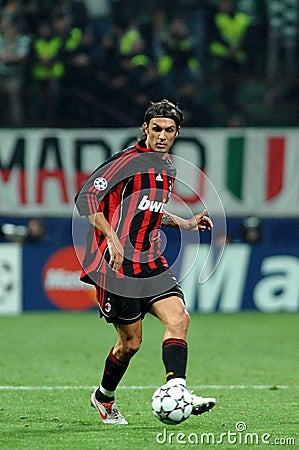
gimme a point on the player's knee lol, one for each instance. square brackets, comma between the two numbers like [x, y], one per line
[180, 322]
[129, 347]
[185, 318]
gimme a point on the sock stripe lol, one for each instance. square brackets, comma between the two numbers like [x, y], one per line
[175, 343]
[174, 340]
[171, 342]
[116, 361]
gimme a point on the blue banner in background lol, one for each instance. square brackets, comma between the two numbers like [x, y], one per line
[261, 277]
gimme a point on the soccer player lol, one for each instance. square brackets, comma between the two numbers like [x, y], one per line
[124, 201]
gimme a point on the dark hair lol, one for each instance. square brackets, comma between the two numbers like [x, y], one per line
[166, 109]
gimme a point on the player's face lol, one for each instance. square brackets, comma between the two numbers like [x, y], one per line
[161, 133]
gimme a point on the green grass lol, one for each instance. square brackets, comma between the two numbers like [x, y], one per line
[253, 350]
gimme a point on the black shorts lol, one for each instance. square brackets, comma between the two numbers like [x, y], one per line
[116, 308]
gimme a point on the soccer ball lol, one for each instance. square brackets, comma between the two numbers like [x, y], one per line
[172, 404]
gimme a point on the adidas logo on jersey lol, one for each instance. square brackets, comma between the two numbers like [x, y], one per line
[152, 205]
[159, 177]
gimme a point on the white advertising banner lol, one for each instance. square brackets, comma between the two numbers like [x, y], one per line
[10, 279]
[253, 171]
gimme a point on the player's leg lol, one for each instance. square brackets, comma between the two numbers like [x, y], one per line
[128, 342]
[116, 364]
[125, 315]
[173, 314]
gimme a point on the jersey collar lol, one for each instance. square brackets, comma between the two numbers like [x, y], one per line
[140, 145]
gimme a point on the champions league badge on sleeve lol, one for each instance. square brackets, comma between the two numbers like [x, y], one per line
[100, 183]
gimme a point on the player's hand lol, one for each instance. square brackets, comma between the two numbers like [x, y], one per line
[200, 222]
[116, 252]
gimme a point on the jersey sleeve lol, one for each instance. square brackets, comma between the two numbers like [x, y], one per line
[87, 201]
[101, 182]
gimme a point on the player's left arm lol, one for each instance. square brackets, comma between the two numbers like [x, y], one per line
[199, 221]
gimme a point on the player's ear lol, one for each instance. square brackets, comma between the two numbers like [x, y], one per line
[145, 127]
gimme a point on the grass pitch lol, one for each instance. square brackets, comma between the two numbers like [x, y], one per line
[50, 363]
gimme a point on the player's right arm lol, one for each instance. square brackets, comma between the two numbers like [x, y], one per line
[101, 182]
[115, 248]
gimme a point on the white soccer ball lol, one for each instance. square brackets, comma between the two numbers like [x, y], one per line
[172, 404]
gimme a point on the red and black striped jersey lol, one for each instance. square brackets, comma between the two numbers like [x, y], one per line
[131, 189]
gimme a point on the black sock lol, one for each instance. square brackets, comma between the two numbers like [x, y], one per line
[113, 373]
[174, 355]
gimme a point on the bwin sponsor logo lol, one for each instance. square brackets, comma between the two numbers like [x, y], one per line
[152, 205]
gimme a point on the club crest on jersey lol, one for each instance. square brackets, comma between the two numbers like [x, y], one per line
[152, 205]
[107, 307]
[100, 183]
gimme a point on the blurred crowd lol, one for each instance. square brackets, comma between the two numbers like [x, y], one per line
[82, 63]
[31, 233]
